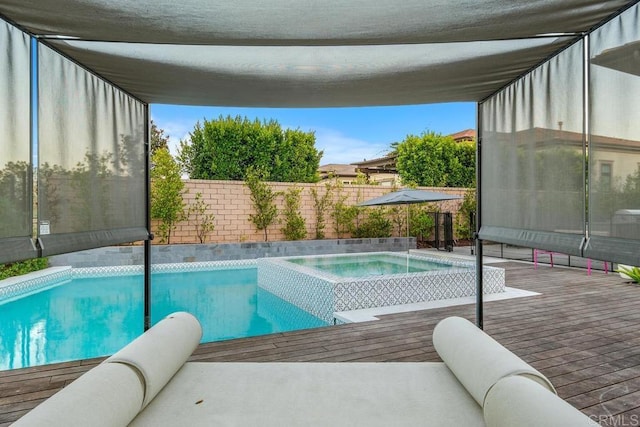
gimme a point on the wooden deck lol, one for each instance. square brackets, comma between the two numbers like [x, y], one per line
[583, 333]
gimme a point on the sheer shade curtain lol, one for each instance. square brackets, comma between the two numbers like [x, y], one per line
[91, 180]
[533, 158]
[16, 219]
[614, 152]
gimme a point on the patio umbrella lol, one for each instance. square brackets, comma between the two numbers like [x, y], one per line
[407, 196]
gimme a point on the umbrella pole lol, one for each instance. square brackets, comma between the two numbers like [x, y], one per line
[407, 229]
[407, 237]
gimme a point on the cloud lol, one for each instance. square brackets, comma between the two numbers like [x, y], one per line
[341, 148]
[176, 130]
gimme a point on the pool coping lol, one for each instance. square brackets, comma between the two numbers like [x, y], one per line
[27, 284]
[369, 314]
[323, 294]
[20, 286]
[456, 264]
[23, 285]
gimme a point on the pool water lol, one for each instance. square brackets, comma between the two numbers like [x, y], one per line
[370, 264]
[91, 317]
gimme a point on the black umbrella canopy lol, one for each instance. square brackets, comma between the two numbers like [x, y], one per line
[407, 196]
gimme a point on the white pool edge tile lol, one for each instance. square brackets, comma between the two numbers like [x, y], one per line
[368, 314]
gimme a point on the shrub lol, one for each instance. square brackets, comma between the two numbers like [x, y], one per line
[294, 226]
[462, 227]
[263, 199]
[204, 221]
[321, 204]
[343, 215]
[398, 215]
[632, 272]
[167, 187]
[421, 222]
[375, 225]
[23, 267]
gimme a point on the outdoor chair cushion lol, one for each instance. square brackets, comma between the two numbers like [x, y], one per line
[160, 352]
[312, 395]
[149, 383]
[477, 360]
[108, 395]
[517, 401]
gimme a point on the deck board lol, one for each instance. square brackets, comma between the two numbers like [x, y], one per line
[583, 332]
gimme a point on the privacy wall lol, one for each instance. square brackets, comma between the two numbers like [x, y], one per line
[539, 133]
[230, 203]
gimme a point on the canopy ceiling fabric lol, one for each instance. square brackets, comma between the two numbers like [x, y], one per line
[293, 53]
[311, 76]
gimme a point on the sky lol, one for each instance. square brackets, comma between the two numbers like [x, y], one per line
[345, 135]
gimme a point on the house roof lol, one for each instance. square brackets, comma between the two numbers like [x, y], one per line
[299, 53]
[464, 135]
[338, 169]
[387, 161]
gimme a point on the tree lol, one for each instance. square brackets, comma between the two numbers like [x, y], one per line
[227, 147]
[320, 206]
[463, 217]
[166, 193]
[158, 139]
[434, 160]
[421, 221]
[294, 224]
[263, 199]
[343, 214]
[376, 224]
[203, 220]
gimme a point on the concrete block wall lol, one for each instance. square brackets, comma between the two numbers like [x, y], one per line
[230, 203]
[168, 254]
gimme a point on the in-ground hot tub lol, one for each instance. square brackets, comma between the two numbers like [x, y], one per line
[324, 284]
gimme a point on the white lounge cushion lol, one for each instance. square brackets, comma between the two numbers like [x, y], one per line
[108, 395]
[161, 351]
[476, 359]
[518, 401]
[312, 395]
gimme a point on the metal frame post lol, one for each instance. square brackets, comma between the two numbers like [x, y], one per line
[34, 145]
[147, 242]
[586, 144]
[479, 281]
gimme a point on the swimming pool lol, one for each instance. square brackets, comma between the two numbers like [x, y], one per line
[376, 264]
[325, 284]
[94, 312]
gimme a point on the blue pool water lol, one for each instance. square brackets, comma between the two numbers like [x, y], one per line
[370, 264]
[92, 317]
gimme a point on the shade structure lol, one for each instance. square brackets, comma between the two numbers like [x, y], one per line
[299, 53]
[408, 196]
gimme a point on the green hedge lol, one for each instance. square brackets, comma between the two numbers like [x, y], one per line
[23, 267]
